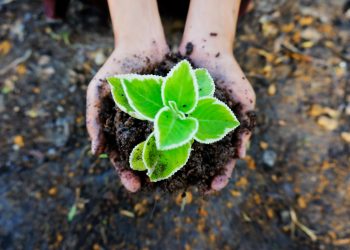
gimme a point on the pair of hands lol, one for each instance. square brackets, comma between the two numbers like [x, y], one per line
[207, 53]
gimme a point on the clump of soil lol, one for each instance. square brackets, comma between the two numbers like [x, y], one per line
[206, 160]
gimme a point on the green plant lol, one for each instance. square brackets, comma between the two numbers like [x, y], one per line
[183, 109]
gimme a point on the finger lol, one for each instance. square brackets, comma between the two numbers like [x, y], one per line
[128, 178]
[97, 91]
[221, 181]
[244, 142]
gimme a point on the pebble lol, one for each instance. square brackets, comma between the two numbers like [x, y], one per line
[47, 72]
[58, 132]
[100, 58]
[272, 90]
[51, 152]
[311, 34]
[44, 60]
[345, 136]
[327, 123]
[285, 216]
[269, 158]
[347, 109]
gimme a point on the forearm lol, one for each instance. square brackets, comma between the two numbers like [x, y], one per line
[135, 22]
[212, 24]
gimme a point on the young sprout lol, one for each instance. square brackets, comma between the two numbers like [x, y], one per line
[183, 109]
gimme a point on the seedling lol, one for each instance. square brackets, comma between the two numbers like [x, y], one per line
[183, 109]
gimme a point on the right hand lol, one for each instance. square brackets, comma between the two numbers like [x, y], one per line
[120, 61]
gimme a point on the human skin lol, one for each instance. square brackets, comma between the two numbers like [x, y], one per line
[138, 44]
[211, 27]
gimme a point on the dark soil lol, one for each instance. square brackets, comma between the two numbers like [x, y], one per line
[206, 160]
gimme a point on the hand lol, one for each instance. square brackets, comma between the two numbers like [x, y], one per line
[230, 78]
[138, 44]
[119, 62]
[212, 34]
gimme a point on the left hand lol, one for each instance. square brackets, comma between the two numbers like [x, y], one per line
[229, 76]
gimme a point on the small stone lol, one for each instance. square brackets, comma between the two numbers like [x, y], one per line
[271, 91]
[345, 136]
[44, 60]
[347, 109]
[100, 58]
[51, 152]
[327, 123]
[285, 216]
[60, 108]
[269, 158]
[311, 34]
[47, 72]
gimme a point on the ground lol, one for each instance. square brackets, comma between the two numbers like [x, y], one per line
[291, 192]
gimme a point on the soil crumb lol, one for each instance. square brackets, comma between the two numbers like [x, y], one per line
[206, 160]
[189, 48]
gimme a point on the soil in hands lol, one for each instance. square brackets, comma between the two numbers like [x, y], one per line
[206, 160]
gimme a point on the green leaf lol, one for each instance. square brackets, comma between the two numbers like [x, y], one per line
[135, 159]
[163, 164]
[144, 94]
[171, 130]
[119, 96]
[215, 120]
[206, 86]
[180, 86]
[103, 156]
[72, 213]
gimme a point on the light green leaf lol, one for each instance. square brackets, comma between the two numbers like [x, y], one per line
[163, 164]
[144, 94]
[180, 86]
[119, 96]
[135, 159]
[72, 213]
[206, 86]
[215, 120]
[103, 156]
[172, 131]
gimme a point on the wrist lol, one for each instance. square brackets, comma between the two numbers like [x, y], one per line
[211, 26]
[128, 30]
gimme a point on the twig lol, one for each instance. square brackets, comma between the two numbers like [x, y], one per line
[301, 226]
[17, 61]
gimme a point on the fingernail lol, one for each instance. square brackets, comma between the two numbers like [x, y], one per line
[219, 182]
[130, 181]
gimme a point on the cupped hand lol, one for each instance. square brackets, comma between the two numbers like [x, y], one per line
[121, 61]
[229, 77]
